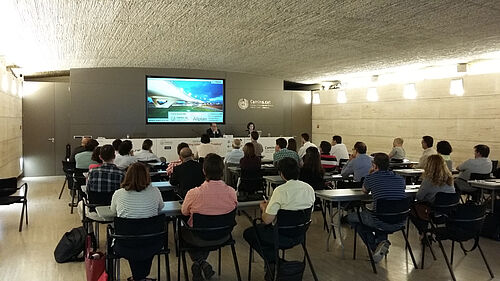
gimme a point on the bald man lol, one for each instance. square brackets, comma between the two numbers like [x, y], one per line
[79, 149]
[187, 175]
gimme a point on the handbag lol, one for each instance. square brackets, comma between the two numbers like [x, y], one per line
[290, 270]
[95, 262]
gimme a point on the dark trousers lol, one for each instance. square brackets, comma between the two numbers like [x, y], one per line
[266, 241]
[140, 268]
[199, 255]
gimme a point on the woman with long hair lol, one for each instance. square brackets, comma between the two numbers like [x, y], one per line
[137, 199]
[312, 172]
[250, 169]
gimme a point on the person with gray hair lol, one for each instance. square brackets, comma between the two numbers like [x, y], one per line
[187, 175]
[234, 156]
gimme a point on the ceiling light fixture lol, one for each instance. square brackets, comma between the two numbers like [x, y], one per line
[410, 91]
[316, 98]
[341, 97]
[371, 94]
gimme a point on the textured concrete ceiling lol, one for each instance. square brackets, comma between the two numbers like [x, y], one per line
[294, 40]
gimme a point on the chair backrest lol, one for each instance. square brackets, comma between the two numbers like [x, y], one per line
[68, 167]
[477, 176]
[251, 180]
[342, 162]
[466, 221]
[293, 223]
[494, 165]
[444, 202]
[213, 227]
[99, 198]
[134, 232]
[8, 186]
[392, 211]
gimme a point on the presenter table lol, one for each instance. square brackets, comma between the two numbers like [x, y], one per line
[347, 195]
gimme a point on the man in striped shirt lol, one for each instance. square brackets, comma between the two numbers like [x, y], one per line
[383, 184]
[104, 180]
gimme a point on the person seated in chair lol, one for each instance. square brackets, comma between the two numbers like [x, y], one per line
[359, 163]
[397, 153]
[427, 143]
[251, 178]
[205, 147]
[258, 147]
[187, 175]
[84, 159]
[312, 172]
[382, 184]
[125, 156]
[213, 131]
[282, 152]
[146, 155]
[328, 162]
[480, 164]
[292, 195]
[105, 179]
[172, 164]
[234, 156]
[79, 149]
[135, 200]
[213, 197]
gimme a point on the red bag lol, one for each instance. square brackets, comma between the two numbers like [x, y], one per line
[95, 262]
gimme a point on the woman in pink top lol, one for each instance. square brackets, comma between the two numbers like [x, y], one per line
[213, 197]
[95, 157]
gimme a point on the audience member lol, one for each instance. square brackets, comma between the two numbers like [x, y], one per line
[213, 197]
[104, 180]
[397, 153]
[312, 172]
[116, 144]
[305, 144]
[480, 164]
[205, 147]
[172, 164]
[79, 149]
[328, 162]
[125, 155]
[383, 184]
[292, 145]
[258, 147]
[436, 178]
[234, 156]
[292, 195]
[146, 155]
[84, 159]
[427, 143]
[339, 150]
[282, 152]
[444, 149]
[187, 175]
[95, 157]
[213, 132]
[137, 199]
[359, 163]
[250, 169]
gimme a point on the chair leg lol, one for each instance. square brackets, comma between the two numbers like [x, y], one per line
[409, 249]
[452, 251]
[283, 254]
[463, 249]
[235, 260]
[309, 262]
[167, 266]
[178, 266]
[22, 216]
[422, 261]
[355, 243]
[370, 254]
[184, 265]
[26, 211]
[485, 261]
[219, 266]
[250, 256]
[62, 189]
[159, 273]
[73, 200]
[117, 269]
[446, 260]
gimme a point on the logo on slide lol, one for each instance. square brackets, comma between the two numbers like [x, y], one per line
[243, 104]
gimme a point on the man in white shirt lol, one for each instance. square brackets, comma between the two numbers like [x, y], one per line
[305, 145]
[293, 195]
[234, 156]
[339, 150]
[480, 164]
[427, 143]
[146, 154]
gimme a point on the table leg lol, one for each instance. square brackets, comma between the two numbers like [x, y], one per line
[339, 213]
[493, 198]
[331, 228]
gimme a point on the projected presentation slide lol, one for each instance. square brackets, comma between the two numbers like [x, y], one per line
[184, 100]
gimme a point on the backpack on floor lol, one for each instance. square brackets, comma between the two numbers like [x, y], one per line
[71, 246]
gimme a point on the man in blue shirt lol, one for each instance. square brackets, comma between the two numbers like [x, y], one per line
[359, 163]
[383, 184]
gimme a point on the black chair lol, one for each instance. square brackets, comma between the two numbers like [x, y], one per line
[463, 224]
[8, 187]
[290, 226]
[252, 185]
[135, 238]
[90, 201]
[76, 189]
[474, 195]
[443, 205]
[214, 231]
[69, 169]
[390, 212]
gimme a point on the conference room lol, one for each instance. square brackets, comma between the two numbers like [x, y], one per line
[232, 91]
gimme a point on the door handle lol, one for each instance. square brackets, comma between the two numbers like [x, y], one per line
[51, 140]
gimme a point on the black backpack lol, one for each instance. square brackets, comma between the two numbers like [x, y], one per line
[71, 246]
